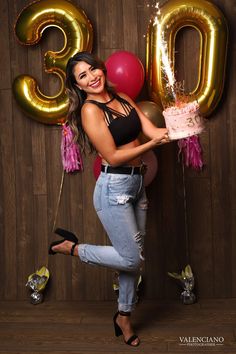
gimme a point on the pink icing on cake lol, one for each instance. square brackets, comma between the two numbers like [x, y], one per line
[184, 121]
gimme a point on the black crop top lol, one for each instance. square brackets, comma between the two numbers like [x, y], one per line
[124, 127]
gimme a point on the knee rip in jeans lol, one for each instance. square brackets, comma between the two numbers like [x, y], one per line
[122, 199]
[139, 239]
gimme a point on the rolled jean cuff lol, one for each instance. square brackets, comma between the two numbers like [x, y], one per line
[126, 308]
[81, 252]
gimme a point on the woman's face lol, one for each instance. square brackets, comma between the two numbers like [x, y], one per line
[89, 79]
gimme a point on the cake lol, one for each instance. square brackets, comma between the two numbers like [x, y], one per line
[183, 120]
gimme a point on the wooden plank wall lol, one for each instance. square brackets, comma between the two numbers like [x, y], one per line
[191, 216]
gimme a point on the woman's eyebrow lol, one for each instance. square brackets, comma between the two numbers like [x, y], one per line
[83, 72]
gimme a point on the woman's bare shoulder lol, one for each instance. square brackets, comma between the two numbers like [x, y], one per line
[92, 116]
[91, 111]
[89, 107]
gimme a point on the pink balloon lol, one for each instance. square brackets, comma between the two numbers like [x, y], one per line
[97, 167]
[149, 158]
[126, 72]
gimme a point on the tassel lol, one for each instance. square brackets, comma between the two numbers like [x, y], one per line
[192, 152]
[70, 151]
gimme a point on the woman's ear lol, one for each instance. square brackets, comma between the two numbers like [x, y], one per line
[78, 86]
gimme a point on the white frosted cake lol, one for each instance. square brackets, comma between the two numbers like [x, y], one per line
[184, 120]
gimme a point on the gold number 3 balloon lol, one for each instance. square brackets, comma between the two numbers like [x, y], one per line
[78, 36]
[211, 25]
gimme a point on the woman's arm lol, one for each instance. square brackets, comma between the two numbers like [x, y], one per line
[148, 128]
[100, 136]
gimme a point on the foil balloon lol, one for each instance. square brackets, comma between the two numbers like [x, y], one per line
[78, 36]
[211, 26]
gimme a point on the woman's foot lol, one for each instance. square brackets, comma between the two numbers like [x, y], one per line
[125, 325]
[66, 247]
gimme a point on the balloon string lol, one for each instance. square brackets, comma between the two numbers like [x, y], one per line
[185, 214]
[58, 200]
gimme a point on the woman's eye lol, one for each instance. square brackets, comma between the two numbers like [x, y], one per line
[92, 68]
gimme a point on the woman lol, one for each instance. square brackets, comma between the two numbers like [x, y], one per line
[110, 123]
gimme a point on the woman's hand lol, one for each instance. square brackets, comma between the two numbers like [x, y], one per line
[161, 137]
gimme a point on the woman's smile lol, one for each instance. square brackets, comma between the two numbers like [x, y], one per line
[96, 84]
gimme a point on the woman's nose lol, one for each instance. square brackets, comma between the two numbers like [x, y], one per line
[91, 75]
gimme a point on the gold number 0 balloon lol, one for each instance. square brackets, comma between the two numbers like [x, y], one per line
[211, 25]
[78, 36]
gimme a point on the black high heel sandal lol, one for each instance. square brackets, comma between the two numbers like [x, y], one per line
[67, 235]
[119, 332]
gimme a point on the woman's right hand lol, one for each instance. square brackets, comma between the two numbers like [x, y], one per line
[161, 137]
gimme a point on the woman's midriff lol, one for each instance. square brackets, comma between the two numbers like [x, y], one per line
[135, 162]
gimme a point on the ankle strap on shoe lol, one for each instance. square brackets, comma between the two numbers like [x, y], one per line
[123, 313]
[72, 249]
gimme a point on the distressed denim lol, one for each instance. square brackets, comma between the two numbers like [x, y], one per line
[121, 205]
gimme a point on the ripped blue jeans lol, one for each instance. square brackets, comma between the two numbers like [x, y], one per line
[121, 205]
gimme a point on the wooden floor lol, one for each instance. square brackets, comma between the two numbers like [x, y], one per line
[77, 328]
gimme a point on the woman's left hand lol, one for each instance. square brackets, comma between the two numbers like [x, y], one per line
[160, 136]
[165, 138]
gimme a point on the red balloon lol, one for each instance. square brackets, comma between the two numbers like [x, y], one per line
[126, 72]
[97, 166]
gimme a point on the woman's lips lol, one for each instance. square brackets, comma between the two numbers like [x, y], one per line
[95, 84]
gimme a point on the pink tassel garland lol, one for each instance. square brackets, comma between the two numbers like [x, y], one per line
[70, 152]
[192, 152]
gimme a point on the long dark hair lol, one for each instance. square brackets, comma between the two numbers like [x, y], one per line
[77, 96]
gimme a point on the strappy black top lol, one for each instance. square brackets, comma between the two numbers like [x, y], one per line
[124, 127]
